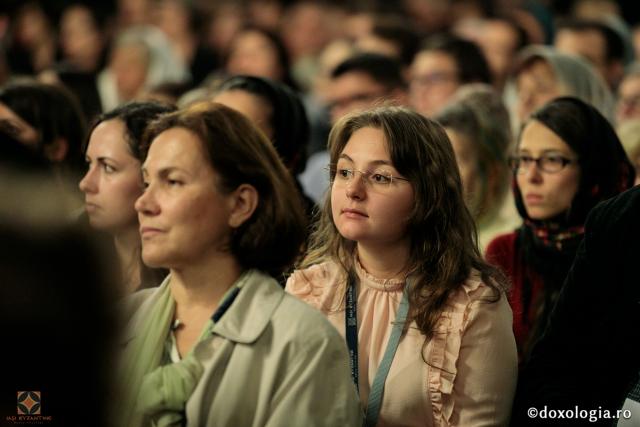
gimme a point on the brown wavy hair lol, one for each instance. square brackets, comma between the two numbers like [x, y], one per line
[444, 251]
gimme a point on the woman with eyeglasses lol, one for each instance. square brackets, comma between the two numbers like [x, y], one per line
[568, 159]
[394, 266]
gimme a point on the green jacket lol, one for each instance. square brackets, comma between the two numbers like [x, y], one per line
[272, 361]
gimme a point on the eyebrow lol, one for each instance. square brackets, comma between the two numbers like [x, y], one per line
[164, 171]
[546, 150]
[371, 163]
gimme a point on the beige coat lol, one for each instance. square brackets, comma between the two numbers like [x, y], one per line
[272, 361]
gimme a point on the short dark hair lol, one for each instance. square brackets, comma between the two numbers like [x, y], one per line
[385, 70]
[272, 238]
[615, 48]
[471, 63]
[135, 116]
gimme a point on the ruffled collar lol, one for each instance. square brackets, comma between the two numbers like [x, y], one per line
[370, 281]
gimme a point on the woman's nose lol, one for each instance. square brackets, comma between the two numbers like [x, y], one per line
[88, 183]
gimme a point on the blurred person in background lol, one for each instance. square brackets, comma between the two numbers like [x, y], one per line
[140, 58]
[443, 63]
[56, 300]
[477, 124]
[596, 42]
[48, 119]
[541, 74]
[500, 38]
[181, 21]
[83, 39]
[628, 100]
[261, 53]
[279, 113]
[32, 40]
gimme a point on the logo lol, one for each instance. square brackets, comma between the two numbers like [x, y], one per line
[28, 403]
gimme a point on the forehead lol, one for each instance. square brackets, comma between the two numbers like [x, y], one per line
[354, 82]
[108, 136]
[433, 60]
[176, 147]
[589, 43]
[536, 137]
[366, 145]
[537, 69]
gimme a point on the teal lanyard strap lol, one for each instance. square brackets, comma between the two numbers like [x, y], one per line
[376, 393]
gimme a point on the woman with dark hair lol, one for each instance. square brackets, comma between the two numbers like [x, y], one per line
[568, 159]
[47, 118]
[259, 52]
[113, 182]
[394, 263]
[219, 342]
[276, 110]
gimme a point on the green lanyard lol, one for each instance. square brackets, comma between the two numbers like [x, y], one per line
[351, 332]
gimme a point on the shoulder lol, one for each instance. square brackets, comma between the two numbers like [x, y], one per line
[502, 243]
[315, 284]
[616, 214]
[304, 329]
[475, 298]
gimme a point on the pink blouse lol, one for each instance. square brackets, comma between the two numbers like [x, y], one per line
[471, 371]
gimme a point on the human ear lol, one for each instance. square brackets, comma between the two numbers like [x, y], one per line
[244, 201]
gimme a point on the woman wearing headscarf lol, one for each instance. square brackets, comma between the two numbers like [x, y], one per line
[541, 74]
[568, 159]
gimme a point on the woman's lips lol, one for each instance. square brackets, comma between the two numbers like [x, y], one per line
[354, 213]
[533, 198]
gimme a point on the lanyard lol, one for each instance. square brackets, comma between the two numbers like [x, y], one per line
[351, 331]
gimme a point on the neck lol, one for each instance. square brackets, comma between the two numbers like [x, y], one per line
[385, 261]
[199, 287]
[127, 245]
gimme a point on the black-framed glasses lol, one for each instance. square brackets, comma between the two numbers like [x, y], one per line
[375, 178]
[550, 163]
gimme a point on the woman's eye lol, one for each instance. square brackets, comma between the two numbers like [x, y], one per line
[344, 173]
[174, 182]
[553, 159]
[379, 178]
[108, 168]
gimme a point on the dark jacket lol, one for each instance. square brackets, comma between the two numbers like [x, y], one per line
[590, 354]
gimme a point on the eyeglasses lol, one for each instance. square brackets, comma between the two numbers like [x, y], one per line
[374, 179]
[435, 78]
[550, 163]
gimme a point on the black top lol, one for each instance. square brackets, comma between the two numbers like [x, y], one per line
[590, 354]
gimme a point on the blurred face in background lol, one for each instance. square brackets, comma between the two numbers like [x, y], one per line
[536, 84]
[129, 65]
[628, 104]
[354, 91]
[466, 158]
[80, 38]
[252, 106]
[252, 53]
[434, 79]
